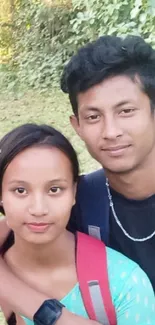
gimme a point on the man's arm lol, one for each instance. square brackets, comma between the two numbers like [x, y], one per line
[26, 301]
[4, 230]
[23, 299]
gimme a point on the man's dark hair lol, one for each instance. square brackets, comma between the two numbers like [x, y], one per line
[107, 57]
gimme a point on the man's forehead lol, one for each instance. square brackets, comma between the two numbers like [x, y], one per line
[115, 91]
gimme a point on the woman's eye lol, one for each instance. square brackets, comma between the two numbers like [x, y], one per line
[54, 189]
[20, 190]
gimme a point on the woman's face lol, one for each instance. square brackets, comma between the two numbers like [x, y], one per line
[38, 193]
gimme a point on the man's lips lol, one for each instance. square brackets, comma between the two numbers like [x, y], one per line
[116, 148]
[116, 151]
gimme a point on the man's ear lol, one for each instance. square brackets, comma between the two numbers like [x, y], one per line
[75, 124]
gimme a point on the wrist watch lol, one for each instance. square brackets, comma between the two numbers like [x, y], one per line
[48, 313]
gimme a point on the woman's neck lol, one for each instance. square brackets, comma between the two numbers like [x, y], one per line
[57, 253]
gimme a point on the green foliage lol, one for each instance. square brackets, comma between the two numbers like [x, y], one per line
[44, 37]
[115, 17]
[39, 36]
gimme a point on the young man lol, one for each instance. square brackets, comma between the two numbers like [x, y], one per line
[111, 87]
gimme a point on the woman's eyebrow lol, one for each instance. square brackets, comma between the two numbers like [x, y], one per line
[55, 180]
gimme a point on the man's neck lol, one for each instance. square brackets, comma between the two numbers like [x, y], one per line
[137, 184]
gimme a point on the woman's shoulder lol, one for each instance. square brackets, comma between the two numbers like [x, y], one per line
[131, 290]
[119, 262]
[122, 270]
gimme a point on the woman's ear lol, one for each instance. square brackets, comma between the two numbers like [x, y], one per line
[74, 193]
[2, 208]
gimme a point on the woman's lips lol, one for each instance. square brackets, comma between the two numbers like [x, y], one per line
[38, 227]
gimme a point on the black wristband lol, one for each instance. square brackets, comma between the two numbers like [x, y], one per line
[48, 313]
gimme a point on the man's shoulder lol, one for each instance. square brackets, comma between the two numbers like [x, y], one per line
[92, 191]
[95, 177]
[92, 204]
[92, 185]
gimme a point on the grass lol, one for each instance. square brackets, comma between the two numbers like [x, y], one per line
[2, 322]
[52, 108]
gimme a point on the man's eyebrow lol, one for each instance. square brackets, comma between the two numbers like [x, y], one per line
[95, 109]
[90, 108]
[121, 103]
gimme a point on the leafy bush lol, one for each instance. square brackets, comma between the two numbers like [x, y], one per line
[45, 37]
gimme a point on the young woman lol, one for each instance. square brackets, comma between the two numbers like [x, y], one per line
[38, 177]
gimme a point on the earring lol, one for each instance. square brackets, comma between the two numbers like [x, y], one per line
[1, 203]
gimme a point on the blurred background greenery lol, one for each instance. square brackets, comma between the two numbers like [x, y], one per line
[37, 37]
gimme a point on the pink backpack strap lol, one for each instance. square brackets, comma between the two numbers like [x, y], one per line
[93, 279]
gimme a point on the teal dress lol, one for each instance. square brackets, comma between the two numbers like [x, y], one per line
[131, 292]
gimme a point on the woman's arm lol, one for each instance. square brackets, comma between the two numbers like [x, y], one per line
[26, 301]
[136, 301]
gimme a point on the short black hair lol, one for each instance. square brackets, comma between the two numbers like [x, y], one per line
[106, 57]
[29, 135]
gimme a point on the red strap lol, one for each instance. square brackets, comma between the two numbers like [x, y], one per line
[92, 265]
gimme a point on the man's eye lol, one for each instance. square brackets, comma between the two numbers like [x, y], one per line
[54, 190]
[93, 117]
[127, 111]
[20, 190]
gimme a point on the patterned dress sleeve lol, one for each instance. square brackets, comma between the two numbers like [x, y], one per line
[131, 290]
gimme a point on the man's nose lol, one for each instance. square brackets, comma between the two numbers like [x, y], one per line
[111, 129]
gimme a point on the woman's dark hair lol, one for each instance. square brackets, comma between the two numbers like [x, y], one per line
[21, 138]
[29, 135]
[106, 57]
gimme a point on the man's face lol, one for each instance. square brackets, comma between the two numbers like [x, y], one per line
[116, 123]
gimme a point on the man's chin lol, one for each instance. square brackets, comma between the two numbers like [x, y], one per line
[118, 169]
